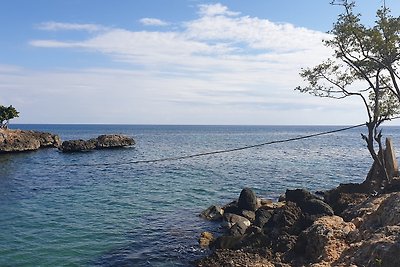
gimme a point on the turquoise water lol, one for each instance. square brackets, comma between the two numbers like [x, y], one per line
[55, 210]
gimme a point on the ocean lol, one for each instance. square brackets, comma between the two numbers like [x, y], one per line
[99, 209]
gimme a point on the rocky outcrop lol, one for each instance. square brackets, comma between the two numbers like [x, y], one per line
[325, 240]
[101, 142]
[20, 141]
[303, 231]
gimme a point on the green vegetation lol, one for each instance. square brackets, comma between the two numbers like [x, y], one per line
[6, 114]
[364, 64]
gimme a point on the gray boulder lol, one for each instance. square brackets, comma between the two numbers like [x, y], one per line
[247, 200]
[262, 216]
[212, 213]
[238, 229]
[231, 219]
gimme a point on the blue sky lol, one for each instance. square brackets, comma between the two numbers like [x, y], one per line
[168, 62]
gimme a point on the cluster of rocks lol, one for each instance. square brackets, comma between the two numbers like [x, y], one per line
[101, 142]
[340, 228]
[19, 140]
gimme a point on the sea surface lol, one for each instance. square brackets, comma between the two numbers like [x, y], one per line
[100, 209]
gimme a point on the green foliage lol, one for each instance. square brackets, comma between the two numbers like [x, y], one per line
[6, 114]
[365, 64]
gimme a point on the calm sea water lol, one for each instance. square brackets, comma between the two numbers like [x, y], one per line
[55, 214]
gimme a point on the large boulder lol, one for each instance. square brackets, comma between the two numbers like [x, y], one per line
[376, 242]
[19, 140]
[247, 200]
[113, 140]
[316, 207]
[325, 240]
[308, 202]
[101, 142]
[78, 145]
[230, 219]
[262, 216]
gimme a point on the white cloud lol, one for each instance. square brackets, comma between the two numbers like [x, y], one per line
[221, 63]
[59, 26]
[153, 22]
[216, 9]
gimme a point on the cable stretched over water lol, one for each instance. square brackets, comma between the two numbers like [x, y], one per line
[215, 152]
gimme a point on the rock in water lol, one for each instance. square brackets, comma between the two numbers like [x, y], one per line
[113, 140]
[78, 145]
[247, 200]
[101, 142]
[213, 213]
[19, 140]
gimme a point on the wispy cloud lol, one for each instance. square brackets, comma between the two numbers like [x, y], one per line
[223, 61]
[216, 9]
[153, 22]
[59, 26]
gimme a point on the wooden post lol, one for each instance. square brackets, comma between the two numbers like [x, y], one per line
[392, 166]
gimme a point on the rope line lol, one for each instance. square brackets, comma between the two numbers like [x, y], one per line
[219, 151]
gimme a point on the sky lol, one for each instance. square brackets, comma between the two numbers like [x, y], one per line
[169, 61]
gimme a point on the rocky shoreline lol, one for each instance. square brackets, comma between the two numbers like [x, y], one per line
[345, 226]
[12, 141]
[21, 141]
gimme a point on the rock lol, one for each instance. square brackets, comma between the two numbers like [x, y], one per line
[248, 214]
[227, 242]
[20, 141]
[274, 205]
[393, 186]
[206, 238]
[78, 145]
[231, 219]
[101, 142]
[298, 195]
[325, 240]
[47, 139]
[263, 202]
[345, 196]
[213, 213]
[113, 140]
[247, 200]
[387, 214]
[377, 242]
[262, 216]
[287, 220]
[230, 258]
[316, 206]
[308, 202]
[238, 229]
[232, 207]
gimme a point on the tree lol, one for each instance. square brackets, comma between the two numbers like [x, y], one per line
[365, 64]
[6, 114]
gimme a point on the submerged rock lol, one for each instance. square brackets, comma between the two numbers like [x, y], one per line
[20, 141]
[101, 142]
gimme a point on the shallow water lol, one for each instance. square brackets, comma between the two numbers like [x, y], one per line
[56, 214]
